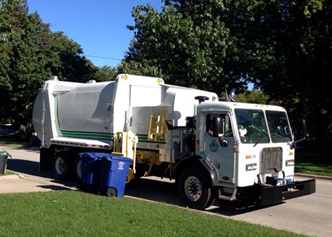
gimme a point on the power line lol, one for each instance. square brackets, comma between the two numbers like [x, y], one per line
[93, 56]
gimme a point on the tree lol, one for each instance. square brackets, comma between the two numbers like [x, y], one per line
[186, 43]
[106, 73]
[298, 73]
[70, 65]
[22, 57]
[29, 54]
[254, 96]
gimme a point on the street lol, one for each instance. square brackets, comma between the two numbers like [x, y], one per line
[310, 215]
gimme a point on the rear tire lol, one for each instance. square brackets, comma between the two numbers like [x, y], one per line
[61, 167]
[78, 169]
[194, 189]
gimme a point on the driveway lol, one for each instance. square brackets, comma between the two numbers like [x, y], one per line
[25, 163]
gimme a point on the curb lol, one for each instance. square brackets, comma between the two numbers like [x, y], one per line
[314, 176]
[9, 176]
[13, 176]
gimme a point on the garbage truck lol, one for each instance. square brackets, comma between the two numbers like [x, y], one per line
[212, 149]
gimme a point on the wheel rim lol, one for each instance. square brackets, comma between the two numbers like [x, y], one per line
[193, 188]
[59, 165]
[79, 169]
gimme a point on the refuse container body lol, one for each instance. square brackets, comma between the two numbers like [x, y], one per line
[113, 173]
[90, 171]
[3, 161]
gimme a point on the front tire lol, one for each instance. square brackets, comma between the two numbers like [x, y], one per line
[194, 188]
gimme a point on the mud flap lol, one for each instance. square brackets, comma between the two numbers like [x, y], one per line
[45, 160]
[276, 194]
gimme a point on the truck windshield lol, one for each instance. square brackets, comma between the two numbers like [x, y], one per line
[252, 126]
[279, 126]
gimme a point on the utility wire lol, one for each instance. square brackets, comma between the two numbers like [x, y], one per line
[93, 56]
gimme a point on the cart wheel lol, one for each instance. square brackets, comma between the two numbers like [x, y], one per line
[111, 192]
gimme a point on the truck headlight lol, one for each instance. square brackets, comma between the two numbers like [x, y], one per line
[250, 167]
[290, 162]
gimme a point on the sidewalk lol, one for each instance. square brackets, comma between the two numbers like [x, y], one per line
[27, 178]
[21, 183]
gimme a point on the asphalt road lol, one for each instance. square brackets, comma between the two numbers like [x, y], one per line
[310, 215]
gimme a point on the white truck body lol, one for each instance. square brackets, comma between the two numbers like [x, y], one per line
[96, 111]
[236, 150]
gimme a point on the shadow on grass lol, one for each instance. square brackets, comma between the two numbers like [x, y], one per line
[55, 187]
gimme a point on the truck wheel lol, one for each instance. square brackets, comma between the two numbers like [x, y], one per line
[61, 167]
[78, 170]
[194, 189]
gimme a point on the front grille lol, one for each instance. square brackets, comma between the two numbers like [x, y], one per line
[271, 160]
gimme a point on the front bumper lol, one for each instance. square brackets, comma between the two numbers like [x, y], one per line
[269, 195]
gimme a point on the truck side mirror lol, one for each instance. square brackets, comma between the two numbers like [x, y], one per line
[304, 129]
[304, 134]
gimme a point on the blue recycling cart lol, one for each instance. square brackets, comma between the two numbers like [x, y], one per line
[113, 175]
[90, 171]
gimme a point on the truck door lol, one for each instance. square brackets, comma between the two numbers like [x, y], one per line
[219, 145]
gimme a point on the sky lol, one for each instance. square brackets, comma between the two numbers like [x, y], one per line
[99, 26]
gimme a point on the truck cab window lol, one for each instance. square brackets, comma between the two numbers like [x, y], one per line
[217, 124]
[252, 126]
[279, 126]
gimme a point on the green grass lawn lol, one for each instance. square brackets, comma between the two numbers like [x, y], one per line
[314, 160]
[8, 172]
[74, 213]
